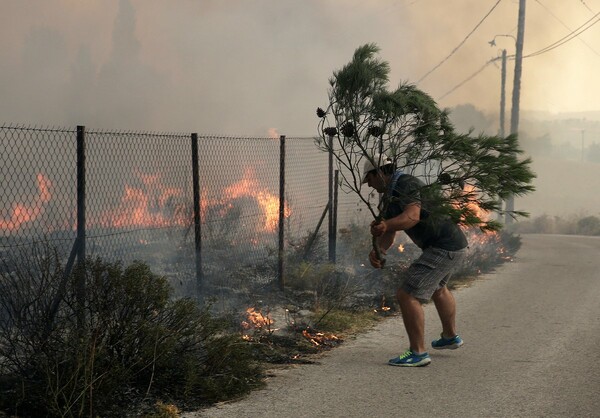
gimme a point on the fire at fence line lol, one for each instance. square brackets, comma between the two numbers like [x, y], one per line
[153, 204]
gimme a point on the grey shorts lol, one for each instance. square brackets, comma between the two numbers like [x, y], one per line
[431, 271]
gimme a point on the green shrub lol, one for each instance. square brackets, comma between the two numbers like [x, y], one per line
[135, 343]
[309, 276]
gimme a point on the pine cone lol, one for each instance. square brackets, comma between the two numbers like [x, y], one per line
[331, 131]
[375, 130]
[348, 129]
[444, 178]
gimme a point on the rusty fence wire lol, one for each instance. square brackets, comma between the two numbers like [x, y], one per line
[139, 200]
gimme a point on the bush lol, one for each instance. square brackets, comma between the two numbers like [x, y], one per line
[544, 224]
[135, 343]
[590, 225]
[487, 250]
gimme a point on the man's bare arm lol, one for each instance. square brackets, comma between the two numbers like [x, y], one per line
[406, 220]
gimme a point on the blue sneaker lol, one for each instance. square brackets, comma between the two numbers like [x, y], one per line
[410, 359]
[447, 343]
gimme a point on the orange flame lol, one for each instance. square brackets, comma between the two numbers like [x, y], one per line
[256, 320]
[22, 213]
[152, 205]
[482, 238]
[473, 206]
[248, 187]
[321, 338]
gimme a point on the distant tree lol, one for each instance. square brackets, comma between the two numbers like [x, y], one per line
[467, 118]
[593, 153]
[464, 174]
[541, 146]
[590, 225]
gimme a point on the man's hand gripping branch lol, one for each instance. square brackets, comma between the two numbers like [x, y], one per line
[384, 232]
[380, 233]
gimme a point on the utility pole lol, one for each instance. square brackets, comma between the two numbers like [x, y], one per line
[501, 131]
[582, 143]
[503, 95]
[516, 94]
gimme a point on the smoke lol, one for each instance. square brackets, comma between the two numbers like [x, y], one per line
[259, 67]
[128, 90]
[564, 188]
[242, 67]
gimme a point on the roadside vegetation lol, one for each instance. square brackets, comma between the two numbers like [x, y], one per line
[567, 225]
[132, 348]
[143, 352]
[138, 351]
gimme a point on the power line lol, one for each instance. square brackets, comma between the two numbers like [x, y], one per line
[461, 43]
[568, 28]
[588, 7]
[556, 44]
[575, 33]
[469, 78]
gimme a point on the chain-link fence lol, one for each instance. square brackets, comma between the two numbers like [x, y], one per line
[38, 188]
[195, 208]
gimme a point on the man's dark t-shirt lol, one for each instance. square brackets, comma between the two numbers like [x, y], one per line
[431, 231]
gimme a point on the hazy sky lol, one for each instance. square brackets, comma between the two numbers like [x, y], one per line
[249, 67]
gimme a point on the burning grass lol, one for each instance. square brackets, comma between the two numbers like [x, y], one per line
[323, 303]
[292, 341]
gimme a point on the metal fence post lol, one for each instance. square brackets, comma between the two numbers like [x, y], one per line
[280, 258]
[335, 212]
[331, 233]
[197, 221]
[80, 289]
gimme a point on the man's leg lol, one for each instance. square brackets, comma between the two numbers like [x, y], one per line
[414, 320]
[446, 307]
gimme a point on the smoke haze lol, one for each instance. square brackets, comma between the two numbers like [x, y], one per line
[242, 67]
[256, 67]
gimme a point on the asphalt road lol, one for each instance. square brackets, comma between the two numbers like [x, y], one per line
[532, 349]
